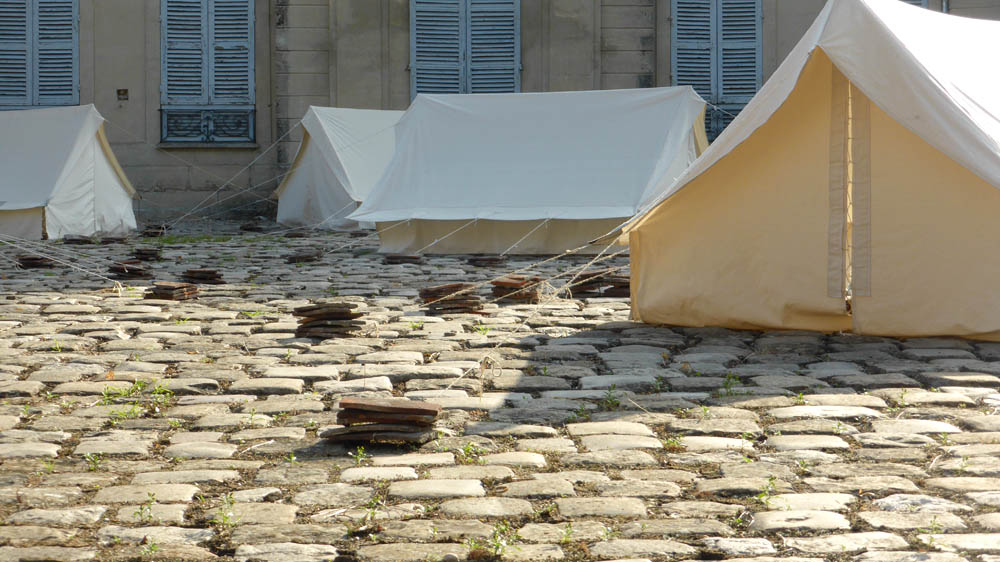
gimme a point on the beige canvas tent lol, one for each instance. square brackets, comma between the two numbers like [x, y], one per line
[342, 154]
[857, 191]
[58, 176]
[535, 173]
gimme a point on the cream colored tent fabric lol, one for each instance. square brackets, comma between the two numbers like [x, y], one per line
[58, 175]
[866, 170]
[539, 173]
[342, 154]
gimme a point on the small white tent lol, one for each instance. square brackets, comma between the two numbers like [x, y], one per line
[546, 172]
[342, 154]
[58, 175]
[859, 190]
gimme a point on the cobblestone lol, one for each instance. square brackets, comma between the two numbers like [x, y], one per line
[591, 436]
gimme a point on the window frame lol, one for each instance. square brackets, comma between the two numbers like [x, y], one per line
[211, 112]
[33, 47]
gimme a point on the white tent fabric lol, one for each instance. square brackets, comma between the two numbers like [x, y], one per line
[58, 175]
[857, 191]
[342, 154]
[564, 156]
[932, 87]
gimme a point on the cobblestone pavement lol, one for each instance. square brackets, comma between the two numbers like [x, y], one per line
[154, 430]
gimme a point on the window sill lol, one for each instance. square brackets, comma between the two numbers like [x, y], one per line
[230, 145]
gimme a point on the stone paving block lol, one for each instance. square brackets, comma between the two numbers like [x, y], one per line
[136, 494]
[618, 442]
[186, 477]
[559, 533]
[547, 488]
[268, 386]
[430, 489]
[825, 502]
[63, 554]
[411, 552]
[799, 442]
[114, 534]
[798, 520]
[739, 547]
[851, 542]
[34, 535]
[900, 521]
[519, 459]
[372, 474]
[200, 450]
[28, 450]
[601, 507]
[286, 551]
[970, 542]
[486, 508]
[71, 517]
[332, 495]
[627, 457]
[160, 513]
[614, 428]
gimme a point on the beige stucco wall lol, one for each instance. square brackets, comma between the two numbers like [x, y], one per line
[120, 49]
[355, 53]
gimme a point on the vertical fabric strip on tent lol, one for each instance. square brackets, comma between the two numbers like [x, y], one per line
[861, 181]
[836, 262]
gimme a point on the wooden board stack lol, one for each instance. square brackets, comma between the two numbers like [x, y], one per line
[396, 259]
[620, 287]
[172, 291]
[75, 240]
[331, 319]
[391, 420]
[203, 276]
[27, 261]
[147, 254]
[518, 288]
[453, 298]
[129, 269]
[590, 282]
[304, 256]
[486, 260]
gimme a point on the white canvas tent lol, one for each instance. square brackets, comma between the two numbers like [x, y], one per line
[342, 154]
[58, 175]
[545, 171]
[857, 191]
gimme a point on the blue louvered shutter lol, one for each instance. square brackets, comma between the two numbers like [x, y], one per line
[231, 70]
[494, 46]
[208, 86]
[693, 49]
[921, 3]
[56, 62]
[738, 25]
[15, 53]
[437, 60]
[184, 38]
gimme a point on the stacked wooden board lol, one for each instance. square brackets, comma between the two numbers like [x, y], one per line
[620, 287]
[518, 288]
[147, 254]
[129, 269]
[331, 319]
[452, 298]
[384, 421]
[395, 259]
[486, 260]
[172, 291]
[30, 261]
[203, 276]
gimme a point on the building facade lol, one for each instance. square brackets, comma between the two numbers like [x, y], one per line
[202, 96]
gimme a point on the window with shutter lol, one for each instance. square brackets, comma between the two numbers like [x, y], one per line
[39, 61]
[207, 90]
[716, 49]
[465, 46]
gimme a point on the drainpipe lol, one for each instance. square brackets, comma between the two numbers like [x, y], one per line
[945, 6]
